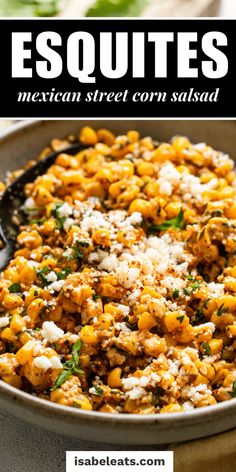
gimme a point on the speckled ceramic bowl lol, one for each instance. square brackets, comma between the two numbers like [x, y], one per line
[23, 142]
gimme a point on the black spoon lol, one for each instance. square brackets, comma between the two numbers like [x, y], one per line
[13, 198]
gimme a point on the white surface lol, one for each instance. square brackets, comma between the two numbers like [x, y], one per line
[228, 8]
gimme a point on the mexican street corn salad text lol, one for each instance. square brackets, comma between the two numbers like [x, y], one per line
[121, 296]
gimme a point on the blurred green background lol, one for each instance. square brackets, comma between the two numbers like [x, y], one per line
[29, 7]
[39, 8]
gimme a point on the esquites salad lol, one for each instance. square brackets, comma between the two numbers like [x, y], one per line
[121, 296]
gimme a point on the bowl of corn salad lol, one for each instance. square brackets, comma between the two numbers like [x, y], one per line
[118, 308]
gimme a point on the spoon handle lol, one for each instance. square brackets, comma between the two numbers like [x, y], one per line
[6, 253]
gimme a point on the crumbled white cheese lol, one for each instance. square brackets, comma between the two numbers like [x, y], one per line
[43, 362]
[4, 321]
[64, 210]
[93, 257]
[51, 277]
[136, 393]
[130, 383]
[56, 286]
[192, 185]
[55, 362]
[187, 406]
[121, 327]
[170, 173]
[196, 393]
[206, 327]
[93, 391]
[51, 332]
[172, 283]
[109, 263]
[215, 290]
[68, 223]
[124, 308]
[37, 348]
[173, 367]
[126, 275]
[165, 188]
[134, 219]
[29, 204]
[94, 220]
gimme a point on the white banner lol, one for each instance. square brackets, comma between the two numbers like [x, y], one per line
[119, 461]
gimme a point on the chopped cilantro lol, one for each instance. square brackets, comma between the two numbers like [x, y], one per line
[195, 285]
[83, 243]
[175, 293]
[233, 393]
[14, 288]
[186, 291]
[95, 297]
[180, 318]
[63, 273]
[205, 303]
[99, 391]
[207, 348]
[201, 233]
[78, 254]
[189, 277]
[216, 213]
[39, 222]
[42, 275]
[177, 223]
[59, 219]
[70, 367]
[200, 317]
[68, 257]
[221, 310]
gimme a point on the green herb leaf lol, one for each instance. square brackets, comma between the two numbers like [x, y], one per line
[70, 367]
[82, 243]
[200, 317]
[175, 293]
[38, 222]
[201, 233]
[221, 310]
[177, 223]
[186, 291]
[95, 297]
[78, 254]
[99, 391]
[189, 277]
[75, 352]
[59, 219]
[117, 8]
[14, 288]
[62, 377]
[42, 275]
[216, 213]
[63, 273]
[180, 318]
[233, 393]
[195, 285]
[207, 348]
[205, 303]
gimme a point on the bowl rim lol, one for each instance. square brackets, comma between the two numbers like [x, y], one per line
[189, 416]
[42, 405]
